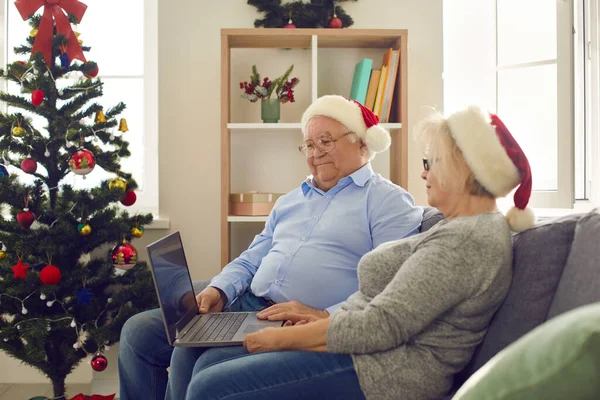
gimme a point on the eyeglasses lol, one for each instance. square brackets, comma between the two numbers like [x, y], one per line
[425, 164]
[324, 143]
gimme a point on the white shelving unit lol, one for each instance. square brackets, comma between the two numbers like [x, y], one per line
[313, 52]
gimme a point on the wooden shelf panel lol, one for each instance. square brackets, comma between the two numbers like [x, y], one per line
[302, 38]
[265, 128]
[287, 126]
[247, 218]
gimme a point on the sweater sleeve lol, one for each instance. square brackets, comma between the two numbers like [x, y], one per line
[431, 281]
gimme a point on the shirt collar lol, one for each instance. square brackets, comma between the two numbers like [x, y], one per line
[360, 177]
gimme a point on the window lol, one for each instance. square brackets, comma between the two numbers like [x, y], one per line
[123, 40]
[532, 62]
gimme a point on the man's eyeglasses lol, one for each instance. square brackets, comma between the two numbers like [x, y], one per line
[324, 143]
[425, 164]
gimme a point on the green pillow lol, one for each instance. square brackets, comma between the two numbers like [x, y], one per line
[559, 359]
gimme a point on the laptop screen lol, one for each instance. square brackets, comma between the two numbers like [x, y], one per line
[173, 283]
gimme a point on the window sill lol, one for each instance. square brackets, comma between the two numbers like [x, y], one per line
[578, 208]
[159, 223]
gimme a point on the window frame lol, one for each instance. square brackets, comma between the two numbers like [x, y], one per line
[147, 197]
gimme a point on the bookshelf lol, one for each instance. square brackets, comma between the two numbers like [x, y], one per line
[259, 156]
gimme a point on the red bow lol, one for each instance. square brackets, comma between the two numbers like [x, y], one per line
[80, 396]
[53, 11]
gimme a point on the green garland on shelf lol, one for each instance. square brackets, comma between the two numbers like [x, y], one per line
[314, 14]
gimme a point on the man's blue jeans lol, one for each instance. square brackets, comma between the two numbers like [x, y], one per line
[232, 373]
[145, 353]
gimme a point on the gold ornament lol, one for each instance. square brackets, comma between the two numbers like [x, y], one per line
[85, 230]
[117, 183]
[2, 255]
[33, 32]
[77, 36]
[137, 231]
[123, 125]
[18, 131]
[100, 118]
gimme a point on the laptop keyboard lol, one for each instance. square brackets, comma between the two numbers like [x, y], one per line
[218, 327]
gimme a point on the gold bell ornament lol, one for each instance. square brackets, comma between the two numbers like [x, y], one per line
[33, 32]
[2, 252]
[123, 125]
[137, 231]
[100, 118]
[18, 131]
[84, 229]
[117, 183]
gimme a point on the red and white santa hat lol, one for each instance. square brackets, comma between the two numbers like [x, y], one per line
[356, 117]
[496, 160]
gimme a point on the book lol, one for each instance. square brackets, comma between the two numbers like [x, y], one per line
[388, 94]
[360, 81]
[380, 89]
[372, 90]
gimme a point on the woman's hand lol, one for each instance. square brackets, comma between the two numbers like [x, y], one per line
[283, 311]
[267, 339]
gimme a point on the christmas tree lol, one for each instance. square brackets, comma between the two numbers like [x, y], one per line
[61, 302]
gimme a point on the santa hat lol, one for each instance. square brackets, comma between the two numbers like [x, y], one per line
[356, 117]
[496, 160]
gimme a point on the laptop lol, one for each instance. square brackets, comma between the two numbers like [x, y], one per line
[184, 324]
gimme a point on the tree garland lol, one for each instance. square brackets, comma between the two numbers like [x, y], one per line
[314, 14]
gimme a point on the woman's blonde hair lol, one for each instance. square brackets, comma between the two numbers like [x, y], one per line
[445, 158]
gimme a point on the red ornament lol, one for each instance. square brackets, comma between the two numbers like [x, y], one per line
[129, 198]
[290, 25]
[99, 362]
[92, 73]
[25, 218]
[50, 275]
[335, 22]
[124, 255]
[29, 165]
[82, 162]
[20, 270]
[37, 96]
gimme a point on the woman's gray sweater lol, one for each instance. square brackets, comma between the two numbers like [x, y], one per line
[424, 303]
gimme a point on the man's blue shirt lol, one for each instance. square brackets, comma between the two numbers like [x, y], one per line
[313, 240]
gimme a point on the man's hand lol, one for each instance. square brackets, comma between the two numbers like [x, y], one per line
[286, 311]
[211, 299]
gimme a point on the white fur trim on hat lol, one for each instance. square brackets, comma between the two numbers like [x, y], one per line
[519, 220]
[473, 133]
[348, 113]
[378, 139]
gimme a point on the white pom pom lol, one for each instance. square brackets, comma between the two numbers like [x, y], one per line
[42, 296]
[377, 139]
[520, 220]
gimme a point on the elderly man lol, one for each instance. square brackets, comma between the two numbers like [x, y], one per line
[305, 259]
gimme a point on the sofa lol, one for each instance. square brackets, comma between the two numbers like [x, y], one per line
[556, 269]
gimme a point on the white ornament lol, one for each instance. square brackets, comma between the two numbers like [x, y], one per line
[73, 324]
[69, 145]
[112, 137]
[46, 153]
[6, 339]
[19, 327]
[76, 345]
[61, 92]
[24, 311]
[50, 303]
[109, 300]
[48, 328]
[42, 296]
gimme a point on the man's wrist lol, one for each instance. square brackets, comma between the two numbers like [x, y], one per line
[223, 295]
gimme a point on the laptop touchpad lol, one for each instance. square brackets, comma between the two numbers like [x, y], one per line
[253, 328]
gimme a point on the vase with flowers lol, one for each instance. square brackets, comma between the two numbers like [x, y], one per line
[282, 88]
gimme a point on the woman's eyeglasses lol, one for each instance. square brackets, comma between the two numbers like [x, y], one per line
[425, 164]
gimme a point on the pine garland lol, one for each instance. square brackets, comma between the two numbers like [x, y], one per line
[315, 14]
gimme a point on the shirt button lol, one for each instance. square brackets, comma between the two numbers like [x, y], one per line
[277, 282]
[327, 197]
[303, 238]
[316, 217]
[288, 256]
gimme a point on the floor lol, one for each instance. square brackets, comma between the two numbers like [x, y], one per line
[25, 391]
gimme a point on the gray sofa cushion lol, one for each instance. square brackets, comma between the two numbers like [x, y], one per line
[431, 216]
[580, 281]
[539, 257]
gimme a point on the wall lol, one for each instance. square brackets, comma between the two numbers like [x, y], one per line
[189, 137]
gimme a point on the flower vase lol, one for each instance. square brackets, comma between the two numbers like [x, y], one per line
[269, 110]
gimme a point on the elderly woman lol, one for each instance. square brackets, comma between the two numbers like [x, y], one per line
[424, 302]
